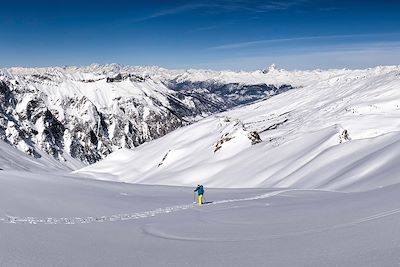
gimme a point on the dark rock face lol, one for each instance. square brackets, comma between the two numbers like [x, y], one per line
[120, 77]
[255, 138]
[117, 78]
[38, 114]
[224, 138]
[225, 96]
[32, 120]
[344, 136]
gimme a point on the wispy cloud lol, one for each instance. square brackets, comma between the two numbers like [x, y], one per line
[213, 27]
[334, 56]
[331, 8]
[280, 5]
[216, 6]
[207, 28]
[304, 38]
[174, 10]
[258, 6]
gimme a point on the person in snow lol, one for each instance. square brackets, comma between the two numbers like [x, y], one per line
[200, 192]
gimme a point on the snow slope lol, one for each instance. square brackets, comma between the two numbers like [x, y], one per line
[58, 220]
[340, 130]
[13, 159]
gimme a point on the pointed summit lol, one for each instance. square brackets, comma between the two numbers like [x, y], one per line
[272, 67]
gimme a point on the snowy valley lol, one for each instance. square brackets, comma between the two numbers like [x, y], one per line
[98, 165]
[80, 115]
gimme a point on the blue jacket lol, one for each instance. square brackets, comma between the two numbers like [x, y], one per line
[200, 190]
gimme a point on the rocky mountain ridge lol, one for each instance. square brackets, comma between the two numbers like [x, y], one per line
[84, 114]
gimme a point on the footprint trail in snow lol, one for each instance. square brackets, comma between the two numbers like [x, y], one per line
[125, 216]
[159, 211]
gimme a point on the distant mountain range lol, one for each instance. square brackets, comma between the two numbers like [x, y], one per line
[79, 115]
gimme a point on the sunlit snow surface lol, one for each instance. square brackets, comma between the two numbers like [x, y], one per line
[338, 130]
[316, 196]
[55, 220]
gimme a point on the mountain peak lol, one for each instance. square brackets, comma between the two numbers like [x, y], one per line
[271, 68]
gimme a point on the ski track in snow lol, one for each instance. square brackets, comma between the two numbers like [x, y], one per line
[159, 234]
[146, 214]
[126, 216]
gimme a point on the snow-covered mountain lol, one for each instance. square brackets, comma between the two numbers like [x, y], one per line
[336, 130]
[88, 112]
[339, 129]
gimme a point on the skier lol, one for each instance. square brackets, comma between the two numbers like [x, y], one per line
[200, 191]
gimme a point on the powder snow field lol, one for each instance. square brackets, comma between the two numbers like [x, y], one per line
[321, 189]
[60, 220]
[339, 130]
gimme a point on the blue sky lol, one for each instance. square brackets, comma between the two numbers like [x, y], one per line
[216, 34]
